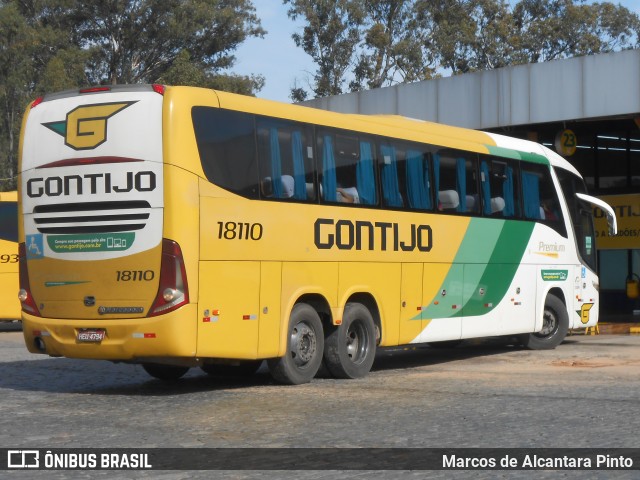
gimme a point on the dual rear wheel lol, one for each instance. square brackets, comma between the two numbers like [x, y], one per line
[348, 350]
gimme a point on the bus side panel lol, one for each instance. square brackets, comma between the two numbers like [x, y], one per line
[442, 303]
[301, 278]
[229, 309]
[498, 311]
[270, 309]
[382, 281]
[411, 302]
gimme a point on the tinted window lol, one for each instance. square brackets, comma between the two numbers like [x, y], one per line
[539, 197]
[286, 160]
[499, 187]
[456, 180]
[226, 142]
[9, 221]
[346, 168]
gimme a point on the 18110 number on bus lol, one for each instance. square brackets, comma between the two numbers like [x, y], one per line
[239, 231]
[135, 275]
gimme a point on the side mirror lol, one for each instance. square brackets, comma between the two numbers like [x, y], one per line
[606, 208]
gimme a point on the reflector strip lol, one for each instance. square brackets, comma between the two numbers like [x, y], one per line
[249, 317]
[143, 335]
[41, 333]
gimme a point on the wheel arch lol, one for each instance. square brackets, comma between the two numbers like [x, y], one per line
[557, 292]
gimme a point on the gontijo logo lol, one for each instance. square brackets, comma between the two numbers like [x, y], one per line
[86, 126]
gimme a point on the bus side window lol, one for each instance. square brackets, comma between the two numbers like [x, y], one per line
[285, 161]
[389, 176]
[347, 173]
[226, 143]
[540, 198]
[500, 195]
[365, 174]
[456, 178]
[418, 179]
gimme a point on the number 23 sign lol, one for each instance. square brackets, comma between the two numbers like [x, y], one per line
[566, 143]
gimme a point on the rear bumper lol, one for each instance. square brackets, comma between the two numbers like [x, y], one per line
[166, 336]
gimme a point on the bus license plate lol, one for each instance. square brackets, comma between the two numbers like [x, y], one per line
[95, 335]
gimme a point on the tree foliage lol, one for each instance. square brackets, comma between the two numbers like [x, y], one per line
[329, 38]
[52, 45]
[393, 41]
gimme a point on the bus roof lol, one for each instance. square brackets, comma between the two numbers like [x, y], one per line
[402, 127]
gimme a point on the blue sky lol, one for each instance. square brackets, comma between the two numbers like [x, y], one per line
[277, 58]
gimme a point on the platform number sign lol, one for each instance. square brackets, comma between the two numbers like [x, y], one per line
[566, 143]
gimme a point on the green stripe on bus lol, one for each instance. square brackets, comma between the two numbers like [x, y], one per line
[517, 155]
[534, 158]
[494, 283]
[487, 272]
[503, 152]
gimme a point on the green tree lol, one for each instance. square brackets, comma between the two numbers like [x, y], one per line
[468, 35]
[35, 55]
[390, 51]
[52, 45]
[138, 41]
[552, 29]
[375, 43]
[330, 37]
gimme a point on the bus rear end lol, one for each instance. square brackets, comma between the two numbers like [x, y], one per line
[97, 278]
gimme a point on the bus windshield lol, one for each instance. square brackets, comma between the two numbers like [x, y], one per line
[581, 215]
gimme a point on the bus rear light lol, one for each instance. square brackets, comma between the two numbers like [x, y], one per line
[95, 89]
[26, 299]
[158, 88]
[173, 291]
[37, 102]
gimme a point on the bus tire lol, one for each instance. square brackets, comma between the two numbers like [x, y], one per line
[305, 344]
[555, 326]
[240, 369]
[167, 373]
[349, 350]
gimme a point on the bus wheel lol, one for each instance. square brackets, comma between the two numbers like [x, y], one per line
[349, 350]
[305, 343]
[240, 369]
[555, 325]
[165, 372]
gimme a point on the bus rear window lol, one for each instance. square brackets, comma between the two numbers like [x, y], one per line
[226, 142]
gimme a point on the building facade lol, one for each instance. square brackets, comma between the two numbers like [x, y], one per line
[585, 108]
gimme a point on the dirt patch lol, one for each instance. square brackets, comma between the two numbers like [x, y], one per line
[583, 364]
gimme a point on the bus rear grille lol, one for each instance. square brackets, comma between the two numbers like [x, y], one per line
[92, 217]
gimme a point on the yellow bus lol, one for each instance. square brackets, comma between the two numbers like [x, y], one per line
[180, 227]
[9, 303]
